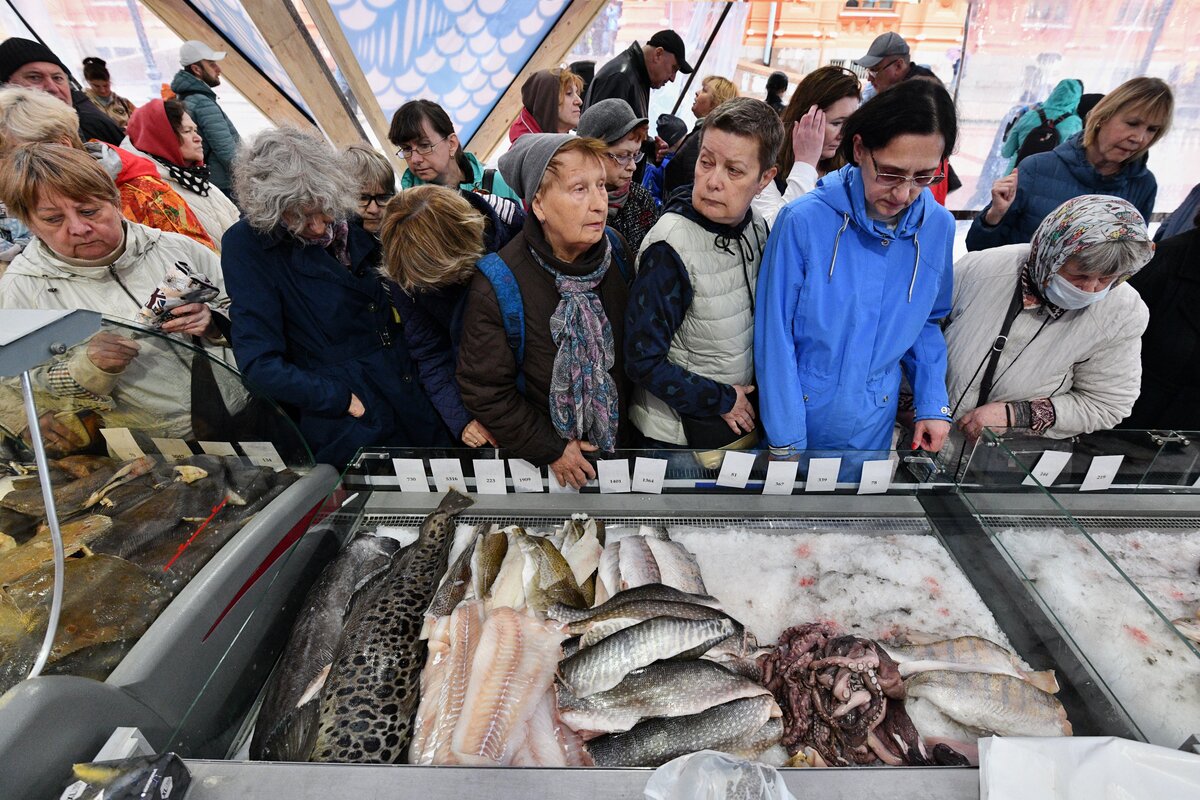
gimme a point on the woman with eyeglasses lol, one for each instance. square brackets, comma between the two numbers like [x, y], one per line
[376, 181]
[425, 138]
[631, 208]
[856, 276]
[1045, 337]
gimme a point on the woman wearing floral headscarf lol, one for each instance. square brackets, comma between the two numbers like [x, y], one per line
[1045, 337]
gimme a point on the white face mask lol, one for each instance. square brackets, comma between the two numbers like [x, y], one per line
[1064, 294]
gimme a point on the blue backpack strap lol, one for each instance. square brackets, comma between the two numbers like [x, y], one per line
[512, 308]
[618, 254]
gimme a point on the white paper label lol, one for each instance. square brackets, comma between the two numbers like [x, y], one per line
[735, 469]
[822, 474]
[555, 488]
[490, 477]
[876, 477]
[649, 474]
[1048, 468]
[172, 448]
[411, 472]
[263, 454]
[781, 477]
[217, 448]
[525, 476]
[447, 472]
[613, 475]
[121, 444]
[1101, 473]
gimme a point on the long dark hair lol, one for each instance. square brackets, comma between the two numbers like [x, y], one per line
[822, 87]
[406, 127]
[914, 106]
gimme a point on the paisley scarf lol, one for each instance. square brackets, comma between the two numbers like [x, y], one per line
[335, 240]
[1076, 225]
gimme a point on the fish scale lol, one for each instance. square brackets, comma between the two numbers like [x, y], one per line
[369, 700]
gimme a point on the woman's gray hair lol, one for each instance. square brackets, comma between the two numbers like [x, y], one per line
[1114, 257]
[283, 172]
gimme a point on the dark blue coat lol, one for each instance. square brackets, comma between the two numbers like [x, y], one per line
[308, 332]
[1047, 180]
[432, 330]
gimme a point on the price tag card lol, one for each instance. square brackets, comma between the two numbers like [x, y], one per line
[263, 454]
[411, 472]
[1048, 468]
[447, 472]
[490, 477]
[822, 474]
[649, 474]
[781, 477]
[556, 489]
[876, 477]
[172, 448]
[735, 469]
[613, 475]
[218, 448]
[121, 444]
[1101, 473]
[525, 476]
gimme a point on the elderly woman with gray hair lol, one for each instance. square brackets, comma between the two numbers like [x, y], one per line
[1045, 337]
[313, 325]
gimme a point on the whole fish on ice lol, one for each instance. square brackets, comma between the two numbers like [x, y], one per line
[1001, 704]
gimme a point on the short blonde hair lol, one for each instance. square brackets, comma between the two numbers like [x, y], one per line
[567, 79]
[371, 168]
[27, 115]
[1149, 96]
[432, 238]
[721, 89]
[31, 169]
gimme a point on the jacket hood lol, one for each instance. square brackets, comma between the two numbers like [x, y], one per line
[40, 261]
[843, 191]
[1074, 157]
[185, 82]
[151, 132]
[1064, 99]
[121, 165]
[540, 98]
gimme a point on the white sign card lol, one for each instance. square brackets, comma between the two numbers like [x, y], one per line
[217, 448]
[411, 472]
[447, 472]
[555, 488]
[121, 444]
[822, 474]
[1101, 473]
[263, 454]
[781, 477]
[613, 475]
[876, 477]
[490, 477]
[525, 476]
[172, 448]
[1048, 468]
[735, 469]
[649, 475]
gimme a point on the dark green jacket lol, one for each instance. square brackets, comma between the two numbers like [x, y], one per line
[220, 137]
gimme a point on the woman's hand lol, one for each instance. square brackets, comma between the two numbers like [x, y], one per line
[192, 319]
[1004, 191]
[571, 467]
[58, 438]
[357, 409]
[475, 435]
[111, 353]
[992, 415]
[740, 418]
[808, 136]
[930, 434]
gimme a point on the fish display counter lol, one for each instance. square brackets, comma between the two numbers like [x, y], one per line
[183, 499]
[862, 613]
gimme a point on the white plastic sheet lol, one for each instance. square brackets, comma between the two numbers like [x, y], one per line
[709, 775]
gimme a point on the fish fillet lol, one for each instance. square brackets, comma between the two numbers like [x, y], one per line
[637, 564]
[433, 678]
[466, 627]
[677, 565]
[609, 571]
[1001, 704]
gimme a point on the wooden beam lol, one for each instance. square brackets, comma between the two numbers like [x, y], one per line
[244, 76]
[343, 55]
[291, 43]
[550, 53]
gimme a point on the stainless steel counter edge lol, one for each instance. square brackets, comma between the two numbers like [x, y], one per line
[250, 780]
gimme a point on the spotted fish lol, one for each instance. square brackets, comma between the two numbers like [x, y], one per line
[371, 694]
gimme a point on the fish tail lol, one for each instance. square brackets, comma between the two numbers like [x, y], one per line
[1043, 680]
[454, 502]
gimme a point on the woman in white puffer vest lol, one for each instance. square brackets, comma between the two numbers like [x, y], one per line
[689, 343]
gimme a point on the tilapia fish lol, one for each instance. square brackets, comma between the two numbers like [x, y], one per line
[729, 727]
[606, 663]
[656, 592]
[999, 704]
[966, 654]
[664, 689]
[285, 724]
[368, 703]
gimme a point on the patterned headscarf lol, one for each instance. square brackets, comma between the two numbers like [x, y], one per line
[1078, 224]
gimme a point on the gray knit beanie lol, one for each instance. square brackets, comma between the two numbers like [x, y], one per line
[609, 120]
[523, 166]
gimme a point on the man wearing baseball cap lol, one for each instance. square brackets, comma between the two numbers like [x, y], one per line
[630, 75]
[889, 61]
[193, 85]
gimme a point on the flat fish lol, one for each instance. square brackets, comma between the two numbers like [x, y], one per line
[606, 663]
[285, 725]
[68, 498]
[966, 654]
[677, 567]
[78, 534]
[1000, 704]
[82, 466]
[564, 613]
[637, 564]
[368, 703]
[663, 689]
[652, 743]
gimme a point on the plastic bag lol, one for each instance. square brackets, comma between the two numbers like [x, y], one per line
[709, 775]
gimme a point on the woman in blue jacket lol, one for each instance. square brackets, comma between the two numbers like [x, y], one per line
[856, 275]
[1107, 158]
[314, 326]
